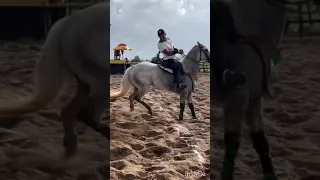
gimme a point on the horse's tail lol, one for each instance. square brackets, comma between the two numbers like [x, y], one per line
[50, 76]
[125, 86]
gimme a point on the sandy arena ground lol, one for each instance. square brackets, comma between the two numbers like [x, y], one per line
[32, 149]
[292, 120]
[160, 147]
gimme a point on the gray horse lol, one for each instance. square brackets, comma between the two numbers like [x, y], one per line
[258, 27]
[75, 48]
[145, 74]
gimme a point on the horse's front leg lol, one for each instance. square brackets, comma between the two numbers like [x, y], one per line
[191, 107]
[234, 113]
[259, 140]
[183, 97]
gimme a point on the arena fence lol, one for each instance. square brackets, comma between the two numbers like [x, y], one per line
[304, 14]
[204, 68]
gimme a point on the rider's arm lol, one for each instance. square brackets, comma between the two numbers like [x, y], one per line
[165, 51]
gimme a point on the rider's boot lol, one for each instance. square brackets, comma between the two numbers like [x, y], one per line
[178, 81]
[178, 76]
[181, 85]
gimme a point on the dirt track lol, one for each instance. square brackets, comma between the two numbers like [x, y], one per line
[160, 146]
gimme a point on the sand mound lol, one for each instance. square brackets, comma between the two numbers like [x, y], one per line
[291, 120]
[33, 148]
[160, 146]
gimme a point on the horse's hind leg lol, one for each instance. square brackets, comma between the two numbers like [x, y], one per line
[138, 97]
[234, 113]
[91, 112]
[259, 140]
[69, 119]
[132, 97]
[183, 97]
[191, 107]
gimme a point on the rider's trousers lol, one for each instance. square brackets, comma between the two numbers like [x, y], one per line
[176, 66]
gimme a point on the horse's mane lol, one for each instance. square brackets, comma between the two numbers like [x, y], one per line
[191, 53]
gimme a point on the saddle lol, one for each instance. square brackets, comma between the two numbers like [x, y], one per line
[169, 70]
[164, 67]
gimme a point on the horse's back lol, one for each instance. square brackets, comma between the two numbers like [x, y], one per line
[144, 66]
[86, 35]
[88, 23]
[83, 40]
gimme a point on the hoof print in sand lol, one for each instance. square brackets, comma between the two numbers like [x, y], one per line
[119, 153]
[155, 151]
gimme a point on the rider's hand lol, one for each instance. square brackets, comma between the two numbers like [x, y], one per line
[180, 51]
[175, 51]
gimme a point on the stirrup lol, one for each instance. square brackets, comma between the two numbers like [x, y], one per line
[181, 86]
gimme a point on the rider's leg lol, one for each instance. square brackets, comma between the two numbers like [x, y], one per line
[170, 63]
[219, 54]
[224, 32]
[223, 67]
[177, 74]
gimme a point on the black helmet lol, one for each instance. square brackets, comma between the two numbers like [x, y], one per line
[161, 32]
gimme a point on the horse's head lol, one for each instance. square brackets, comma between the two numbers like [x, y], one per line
[203, 52]
[191, 61]
[198, 53]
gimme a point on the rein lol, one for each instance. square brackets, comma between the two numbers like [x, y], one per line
[193, 60]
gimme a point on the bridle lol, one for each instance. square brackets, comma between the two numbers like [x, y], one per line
[202, 49]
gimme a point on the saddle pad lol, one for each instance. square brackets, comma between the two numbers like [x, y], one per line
[271, 57]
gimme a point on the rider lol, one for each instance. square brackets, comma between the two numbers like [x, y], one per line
[223, 34]
[166, 47]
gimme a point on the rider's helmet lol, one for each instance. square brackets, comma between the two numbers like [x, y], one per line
[161, 32]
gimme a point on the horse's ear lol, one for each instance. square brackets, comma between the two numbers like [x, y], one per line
[198, 42]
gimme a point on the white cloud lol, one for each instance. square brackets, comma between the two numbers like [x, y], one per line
[135, 23]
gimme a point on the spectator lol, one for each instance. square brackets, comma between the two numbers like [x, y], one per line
[117, 54]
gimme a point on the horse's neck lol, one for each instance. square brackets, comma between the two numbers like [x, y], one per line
[189, 66]
[258, 17]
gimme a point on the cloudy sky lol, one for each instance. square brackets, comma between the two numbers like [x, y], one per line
[135, 23]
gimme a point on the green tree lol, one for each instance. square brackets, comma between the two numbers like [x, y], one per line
[156, 59]
[136, 59]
